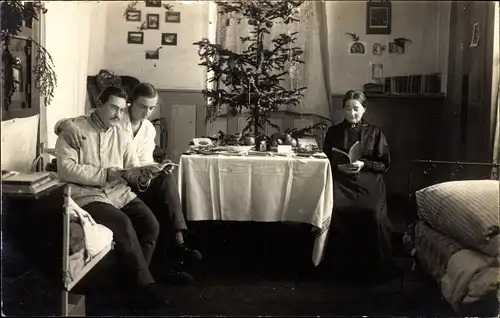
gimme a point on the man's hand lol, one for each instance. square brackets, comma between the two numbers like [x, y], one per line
[168, 169]
[72, 134]
[353, 168]
[114, 174]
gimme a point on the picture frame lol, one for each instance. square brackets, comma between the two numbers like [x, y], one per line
[169, 39]
[376, 72]
[378, 49]
[396, 49]
[153, 21]
[172, 17]
[135, 37]
[153, 3]
[357, 48]
[474, 42]
[152, 55]
[133, 15]
[378, 17]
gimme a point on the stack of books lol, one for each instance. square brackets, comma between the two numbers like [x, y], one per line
[14, 182]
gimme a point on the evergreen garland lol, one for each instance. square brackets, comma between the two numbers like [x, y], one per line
[253, 78]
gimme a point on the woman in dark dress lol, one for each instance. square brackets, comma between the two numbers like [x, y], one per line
[360, 230]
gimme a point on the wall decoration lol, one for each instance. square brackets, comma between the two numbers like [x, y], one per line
[153, 3]
[153, 21]
[133, 15]
[376, 72]
[378, 17]
[357, 48]
[153, 55]
[169, 38]
[142, 27]
[135, 38]
[378, 49]
[172, 17]
[168, 7]
[396, 49]
[354, 36]
[474, 42]
[130, 7]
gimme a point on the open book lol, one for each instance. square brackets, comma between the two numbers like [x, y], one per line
[354, 154]
[156, 168]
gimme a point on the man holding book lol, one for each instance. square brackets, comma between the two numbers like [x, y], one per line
[99, 184]
[159, 191]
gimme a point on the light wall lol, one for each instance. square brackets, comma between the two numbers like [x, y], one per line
[425, 23]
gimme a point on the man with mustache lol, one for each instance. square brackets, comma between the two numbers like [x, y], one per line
[161, 193]
[98, 184]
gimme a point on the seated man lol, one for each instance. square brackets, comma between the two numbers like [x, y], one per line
[95, 173]
[161, 194]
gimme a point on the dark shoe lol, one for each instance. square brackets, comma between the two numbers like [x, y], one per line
[177, 277]
[185, 253]
[150, 296]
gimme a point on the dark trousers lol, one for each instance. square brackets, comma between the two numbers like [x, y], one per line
[135, 232]
[162, 197]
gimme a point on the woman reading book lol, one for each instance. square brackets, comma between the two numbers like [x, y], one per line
[359, 155]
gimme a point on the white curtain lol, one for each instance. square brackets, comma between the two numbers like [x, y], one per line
[312, 38]
[68, 28]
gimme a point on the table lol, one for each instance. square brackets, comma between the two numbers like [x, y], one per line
[260, 189]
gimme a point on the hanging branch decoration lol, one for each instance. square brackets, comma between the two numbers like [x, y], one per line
[142, 27]
[13, 14]
[253, 78]
[168, 7]
[354, 36]
[130, 7]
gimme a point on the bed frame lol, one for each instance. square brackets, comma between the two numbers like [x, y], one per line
[39, 226]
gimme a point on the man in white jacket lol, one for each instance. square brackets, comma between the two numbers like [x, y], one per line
[100, 185]
[161, 194]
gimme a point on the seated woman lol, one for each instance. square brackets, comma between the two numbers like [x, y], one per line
[360, 230]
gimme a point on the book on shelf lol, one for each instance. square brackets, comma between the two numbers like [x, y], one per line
[348, 157]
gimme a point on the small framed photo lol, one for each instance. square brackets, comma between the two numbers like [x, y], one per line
[394, 48]
[474, 42]
[378, 49]
[133, 15]
[357, 48]
[153, 55]
[153, 21]
[153, 3]
[172, 17]
[376, 72]
[135, 38]
[378, 17]
[169, 38]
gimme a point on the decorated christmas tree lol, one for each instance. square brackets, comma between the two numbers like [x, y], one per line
[253, 79]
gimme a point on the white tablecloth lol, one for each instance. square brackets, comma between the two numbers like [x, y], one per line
[261, 189]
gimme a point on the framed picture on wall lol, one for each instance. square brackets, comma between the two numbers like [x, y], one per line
[169, 38]
[153, 55]
[153, 21]
[135, 38]
[378, 17]
[153, 3]
[172, 17]
[133, 15]
[357, 48]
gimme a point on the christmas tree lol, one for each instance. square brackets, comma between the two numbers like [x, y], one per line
[253, 78]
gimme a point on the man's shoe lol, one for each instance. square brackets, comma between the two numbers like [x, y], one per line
[177, 277]
[151, 296]
[184, 253]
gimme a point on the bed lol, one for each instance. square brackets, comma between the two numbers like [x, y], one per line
[454, 233]
[56, 237]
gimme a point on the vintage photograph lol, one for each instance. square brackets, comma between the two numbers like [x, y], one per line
[376, 71]
[394, 48]
[378, 49]
[357, 48]
[169, 38]
[153, 55]
[153, 21]
[135, 38]
[172, 17]
[378, 17]
[133, 15]
[474, 42]
[153, 3]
